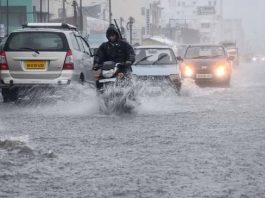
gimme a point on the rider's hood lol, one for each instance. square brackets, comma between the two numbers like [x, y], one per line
[112, 29]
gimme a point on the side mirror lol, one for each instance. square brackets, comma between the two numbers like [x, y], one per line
[179, 58]
[231, 58]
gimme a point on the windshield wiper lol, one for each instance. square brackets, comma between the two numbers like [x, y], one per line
[30, 49]
[143, 59]
[159, 59]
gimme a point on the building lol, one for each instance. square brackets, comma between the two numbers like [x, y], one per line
[146, 15]
[41, 10]
[201, 19]
[233, 31]
[14, 13]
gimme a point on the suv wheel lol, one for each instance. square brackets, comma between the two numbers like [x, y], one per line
[9, 94]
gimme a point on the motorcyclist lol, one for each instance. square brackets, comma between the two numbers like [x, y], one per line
[116, 50]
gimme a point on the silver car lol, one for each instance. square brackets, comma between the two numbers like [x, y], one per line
[43, 54]
[156, 63]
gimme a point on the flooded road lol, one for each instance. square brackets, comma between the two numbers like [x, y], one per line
[207, 142]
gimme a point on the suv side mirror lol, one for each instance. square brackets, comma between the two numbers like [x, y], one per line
[179, 58]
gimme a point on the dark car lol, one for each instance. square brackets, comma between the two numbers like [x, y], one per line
[207, 63]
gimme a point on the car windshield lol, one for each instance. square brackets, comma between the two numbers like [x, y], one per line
[154, 56]
[41, 41]
[195, 52]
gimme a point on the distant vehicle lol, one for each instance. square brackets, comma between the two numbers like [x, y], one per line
[43, 54]
[157, 63]
[232, 51]
[207, 63]
[258, 58]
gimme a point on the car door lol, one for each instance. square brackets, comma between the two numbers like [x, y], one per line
[77, 50]
[87, 62]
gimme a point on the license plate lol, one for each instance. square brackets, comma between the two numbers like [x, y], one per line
[36, 65]
[107, 80]
[204, 75]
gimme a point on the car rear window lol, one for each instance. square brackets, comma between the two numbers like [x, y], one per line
[41, 41]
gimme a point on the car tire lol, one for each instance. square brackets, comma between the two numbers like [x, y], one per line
[82, 78]
[9, 94]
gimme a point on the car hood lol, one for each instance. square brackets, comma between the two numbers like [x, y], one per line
[155, 70]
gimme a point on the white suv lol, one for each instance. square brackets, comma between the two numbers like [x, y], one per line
[43, 54]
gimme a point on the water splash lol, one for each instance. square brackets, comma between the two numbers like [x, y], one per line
[117, 100]
[162, 97]
[68, 101]
[18, 144]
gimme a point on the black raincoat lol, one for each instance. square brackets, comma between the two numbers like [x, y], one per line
[118, 52]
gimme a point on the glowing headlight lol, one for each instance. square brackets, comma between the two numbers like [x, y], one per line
[254, 59]
[221, 71]
[188, 71]
[263, 59]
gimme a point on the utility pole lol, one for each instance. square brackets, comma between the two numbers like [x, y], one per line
[221, 8]
[40, 10]
[48, 10]
[110, 12]
[81, 15]
[75, 12]
[130, 26]
[64, 13]
[7, 17]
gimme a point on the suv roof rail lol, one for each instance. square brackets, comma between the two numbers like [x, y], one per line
[50, 25]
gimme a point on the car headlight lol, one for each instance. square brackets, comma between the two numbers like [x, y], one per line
[188, 71]
[263, 59]
[254, 59]
[220, 71]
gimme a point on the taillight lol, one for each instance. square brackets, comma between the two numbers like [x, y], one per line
[3, 62]
[69, 61]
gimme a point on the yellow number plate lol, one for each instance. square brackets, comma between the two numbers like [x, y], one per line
[35, 65]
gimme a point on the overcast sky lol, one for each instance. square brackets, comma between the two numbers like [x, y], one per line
[252, 13]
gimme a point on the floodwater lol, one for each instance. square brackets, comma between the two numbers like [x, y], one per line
[205, 142]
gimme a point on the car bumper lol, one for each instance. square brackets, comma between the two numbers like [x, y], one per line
[6, 80]
[172, 78]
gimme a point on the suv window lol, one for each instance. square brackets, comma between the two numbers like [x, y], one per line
[41, 41]
[87, 49]
[80, 43]
[75, 44]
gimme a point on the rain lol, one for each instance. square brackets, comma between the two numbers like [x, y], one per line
[191, 125]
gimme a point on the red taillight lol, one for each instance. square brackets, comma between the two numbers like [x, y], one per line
[69, 61]
[3, 62]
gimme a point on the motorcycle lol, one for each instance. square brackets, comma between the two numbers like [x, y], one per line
[115, 89]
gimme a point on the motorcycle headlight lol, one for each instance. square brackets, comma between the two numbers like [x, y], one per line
[220, 71]
[108, 73]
